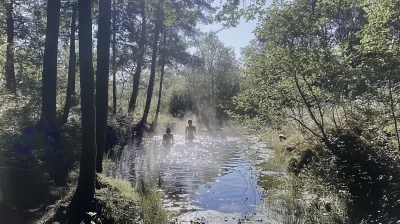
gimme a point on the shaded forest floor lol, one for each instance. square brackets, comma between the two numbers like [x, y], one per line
[115, 201]
[29, 194]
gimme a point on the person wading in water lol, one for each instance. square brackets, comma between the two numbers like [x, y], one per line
[190, 131]
[168, 138]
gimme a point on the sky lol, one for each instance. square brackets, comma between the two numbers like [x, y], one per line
[237, 37]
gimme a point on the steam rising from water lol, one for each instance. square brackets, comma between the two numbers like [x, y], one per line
[212, 174]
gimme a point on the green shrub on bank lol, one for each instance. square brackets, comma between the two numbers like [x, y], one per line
[24, 162]
[115, 202]
[364, 171]
[180, 101]
[296, 199]
[119, 200]
[354, 180]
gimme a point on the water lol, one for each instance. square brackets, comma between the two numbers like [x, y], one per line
[211, 180]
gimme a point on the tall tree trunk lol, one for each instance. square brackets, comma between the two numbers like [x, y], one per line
[212, 88]
[86, 181]
[11, 84]
[393, 110]
[71, 67]
[102, 73]
[48, 122]
[49, 74]
[152, 73]
[114, 67]
[161, 76]
[142, 43]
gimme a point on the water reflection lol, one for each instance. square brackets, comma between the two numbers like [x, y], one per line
[209, 174]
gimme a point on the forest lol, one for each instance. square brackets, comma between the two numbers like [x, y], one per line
[321, 74]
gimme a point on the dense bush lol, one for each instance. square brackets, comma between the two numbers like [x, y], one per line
[180, 101]
[364, 169]
[34, 158]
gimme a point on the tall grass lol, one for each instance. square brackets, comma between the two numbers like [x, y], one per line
[126, 204]
[116, 200]
[143, 202]
[296, 199]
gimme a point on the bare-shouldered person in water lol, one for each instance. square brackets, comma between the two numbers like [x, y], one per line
[190, 131]
[168, 138]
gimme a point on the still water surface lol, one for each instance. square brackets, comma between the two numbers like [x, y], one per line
[211, 180]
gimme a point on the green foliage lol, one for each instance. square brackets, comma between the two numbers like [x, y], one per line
[324, 67]
[24, 162]
[364, 171]
[217, 81]
[302, 198]
[119, 199]
[206, 90]
[180, 100]
[23, 109]
[151, 210]
[125, 204]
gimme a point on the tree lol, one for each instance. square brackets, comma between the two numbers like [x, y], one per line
[11, 84]
[379, 49]
[164, 43]
[102, 73]
[86, 181]
[30, 31]
[315, 60]
[142, 43]
[218, 77]
[208, 51]
[181, 19]
[293, 61]
[114, 52]
[71, 66]
[49, 74]
[158, 25]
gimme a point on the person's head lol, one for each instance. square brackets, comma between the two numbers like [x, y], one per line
[190, 122]
[168, 131]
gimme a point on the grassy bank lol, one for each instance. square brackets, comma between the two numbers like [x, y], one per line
[351, 178]
[116, 201]
[24, 161]
[293, 198]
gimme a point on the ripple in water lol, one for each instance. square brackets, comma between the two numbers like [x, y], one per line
[209, 174]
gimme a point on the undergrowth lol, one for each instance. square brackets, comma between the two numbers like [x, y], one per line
[28, 190]
[295, 199]
[351, 178]
[115, 202]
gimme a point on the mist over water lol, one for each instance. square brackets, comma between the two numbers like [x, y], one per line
[212, 177]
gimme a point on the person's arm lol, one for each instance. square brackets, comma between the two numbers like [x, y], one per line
[195, 130]
[186, 130]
